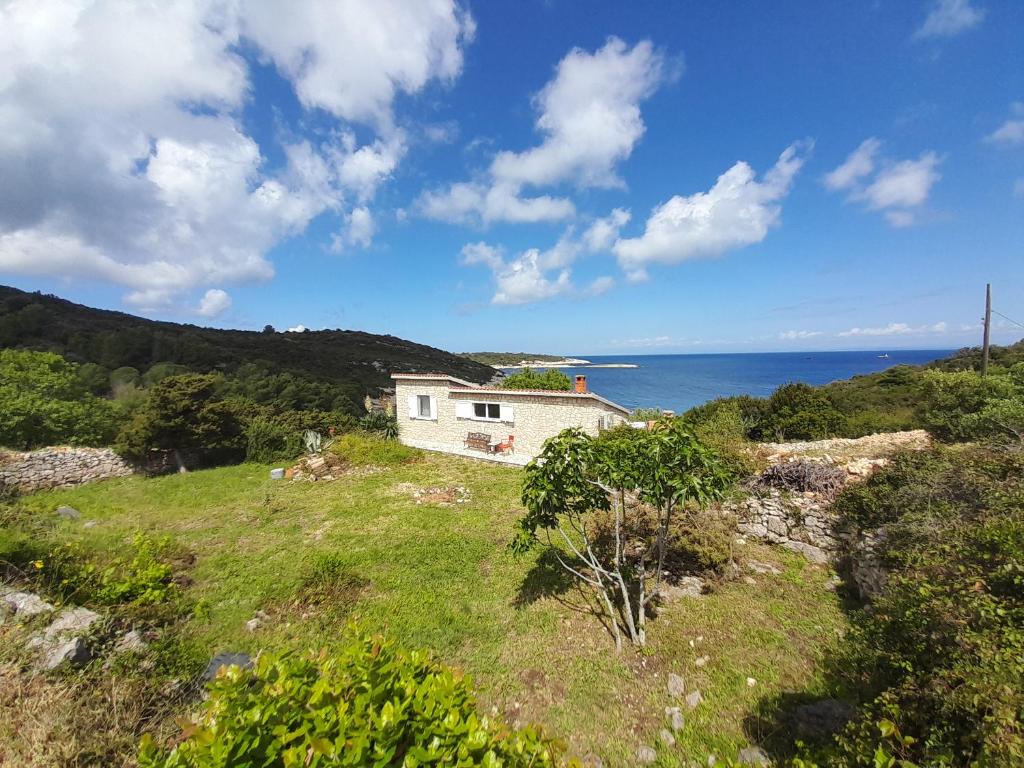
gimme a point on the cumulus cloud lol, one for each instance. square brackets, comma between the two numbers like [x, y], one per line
[1011, 132]
[602, 233]
[948, 18]
[214, 302]
[358, 231]
[895, 188]
[737, 211]
[589, 117]
[896, 329]
[122, 151]
[795, 335]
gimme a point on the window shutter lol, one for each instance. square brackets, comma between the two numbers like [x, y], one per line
[463, 409]
[412, 406]
[507, 413]
[433, 408]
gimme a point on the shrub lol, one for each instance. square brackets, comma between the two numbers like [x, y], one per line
[367, 449]
[799, 412]
[372, 704]
[43, 401]
[645, 414]
[528, 378]
[723, 425]
[939, 653]
[380, 423]
[267, 441]
[953, 404]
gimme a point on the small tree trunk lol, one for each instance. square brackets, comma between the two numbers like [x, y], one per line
[641, 610]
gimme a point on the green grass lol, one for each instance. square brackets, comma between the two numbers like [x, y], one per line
[439, 577]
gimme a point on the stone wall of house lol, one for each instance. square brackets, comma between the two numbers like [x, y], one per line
[536, 417]
[60, 467]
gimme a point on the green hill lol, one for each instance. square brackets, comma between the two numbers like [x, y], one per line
[349, 364]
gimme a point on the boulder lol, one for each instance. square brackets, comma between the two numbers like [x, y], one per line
[675, 718]
[130, 642]
[74, 652]
[71, 622]
[676, 685]
[68, 513]
[646, 755]
[753, 756]
[693, 699]
[688, 586]
[226, 659]
[666, 738]
[25, 604]
[758, 567]
[823, 717]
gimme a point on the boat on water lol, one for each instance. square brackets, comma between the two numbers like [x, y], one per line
[883, 356]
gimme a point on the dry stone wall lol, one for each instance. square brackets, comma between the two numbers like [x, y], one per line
[61, 467]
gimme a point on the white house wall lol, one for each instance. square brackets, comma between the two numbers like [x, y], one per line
[535, 418]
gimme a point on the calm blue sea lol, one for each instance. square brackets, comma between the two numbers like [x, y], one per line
[679, 382]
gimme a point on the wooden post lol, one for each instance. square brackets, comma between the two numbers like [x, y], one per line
[988, 324]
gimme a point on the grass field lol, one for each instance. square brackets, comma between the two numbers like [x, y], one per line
[438, 575]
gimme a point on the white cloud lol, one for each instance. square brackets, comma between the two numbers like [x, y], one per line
[297, 329]
[860, 163]
[482, 253]
[523, 281]
[351, 59]
[590, 119]
[896, 329]
[737, 211]
[468, 202]
[358, 232]
[794, 335]
[600, 286]
[602, 233]
[948, 18]
[214, 302]
[589, 116]
[897, 187]
[1012, 131]
[123, 154]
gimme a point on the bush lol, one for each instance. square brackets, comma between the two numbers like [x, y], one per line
[44, 401]
[380, 423]
[938, 655]
[373, 704]
[967, 406]
[551, 379]
[723, 425]
[799, 412]
[365, 449]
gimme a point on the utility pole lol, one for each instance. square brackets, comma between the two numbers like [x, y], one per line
[988, 324]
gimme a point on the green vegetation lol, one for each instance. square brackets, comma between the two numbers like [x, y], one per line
[373, 450]
[370, 703]
[44, 400]
[938, 655]
[577, 480]
[527, 378]
[315, 370]
[432, 575]
[501, 359]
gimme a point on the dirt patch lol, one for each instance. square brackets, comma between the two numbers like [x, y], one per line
[442, 496]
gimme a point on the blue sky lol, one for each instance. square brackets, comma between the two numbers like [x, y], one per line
[568, 177]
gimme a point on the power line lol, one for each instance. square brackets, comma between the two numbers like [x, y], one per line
[1007, 318]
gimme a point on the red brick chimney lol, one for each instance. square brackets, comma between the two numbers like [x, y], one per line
[581, 384]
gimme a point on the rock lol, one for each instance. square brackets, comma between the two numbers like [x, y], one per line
[593, 761]
[758, 567]
[71, 622]
[89, 524]
[130, 642]
[700, 662]
[751, 682]
[666, 738]
[675, 718]
[25, 604]
[646, 755]
[688, 586]
[693, 699]
[676, 685]
[823, 718]
[750, 581]
[253, 624]
[73, 651]
[68, 513]
[226, 659]
[811, 552]
[753, 756]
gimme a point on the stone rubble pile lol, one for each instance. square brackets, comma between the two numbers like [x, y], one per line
[317, 466]
[60, 467]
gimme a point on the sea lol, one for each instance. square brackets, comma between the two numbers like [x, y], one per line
[680, 382]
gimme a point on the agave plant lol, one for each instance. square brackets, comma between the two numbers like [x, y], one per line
[380, 423]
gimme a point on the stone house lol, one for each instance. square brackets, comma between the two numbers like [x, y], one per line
[438, 412]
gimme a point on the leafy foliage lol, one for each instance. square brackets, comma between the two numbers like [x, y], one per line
[965, 406]
[374, 704]
[938, 655]
[527, 378]
[44, 401]
[382, 424]
[799, 412]
[642, 477]
[362, 449]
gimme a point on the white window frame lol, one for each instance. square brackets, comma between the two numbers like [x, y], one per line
[506, 413]
[422, 400]
[487, 407]
[415, 412]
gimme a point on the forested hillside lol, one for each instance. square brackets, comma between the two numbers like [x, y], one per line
[310, 370]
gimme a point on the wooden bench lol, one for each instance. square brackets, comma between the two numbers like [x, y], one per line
[478, 441]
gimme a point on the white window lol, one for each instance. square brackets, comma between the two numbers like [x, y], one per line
[423, 407]
[487, 411]
[466, 409]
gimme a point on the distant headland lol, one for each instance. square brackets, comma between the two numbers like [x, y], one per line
[510, 360]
